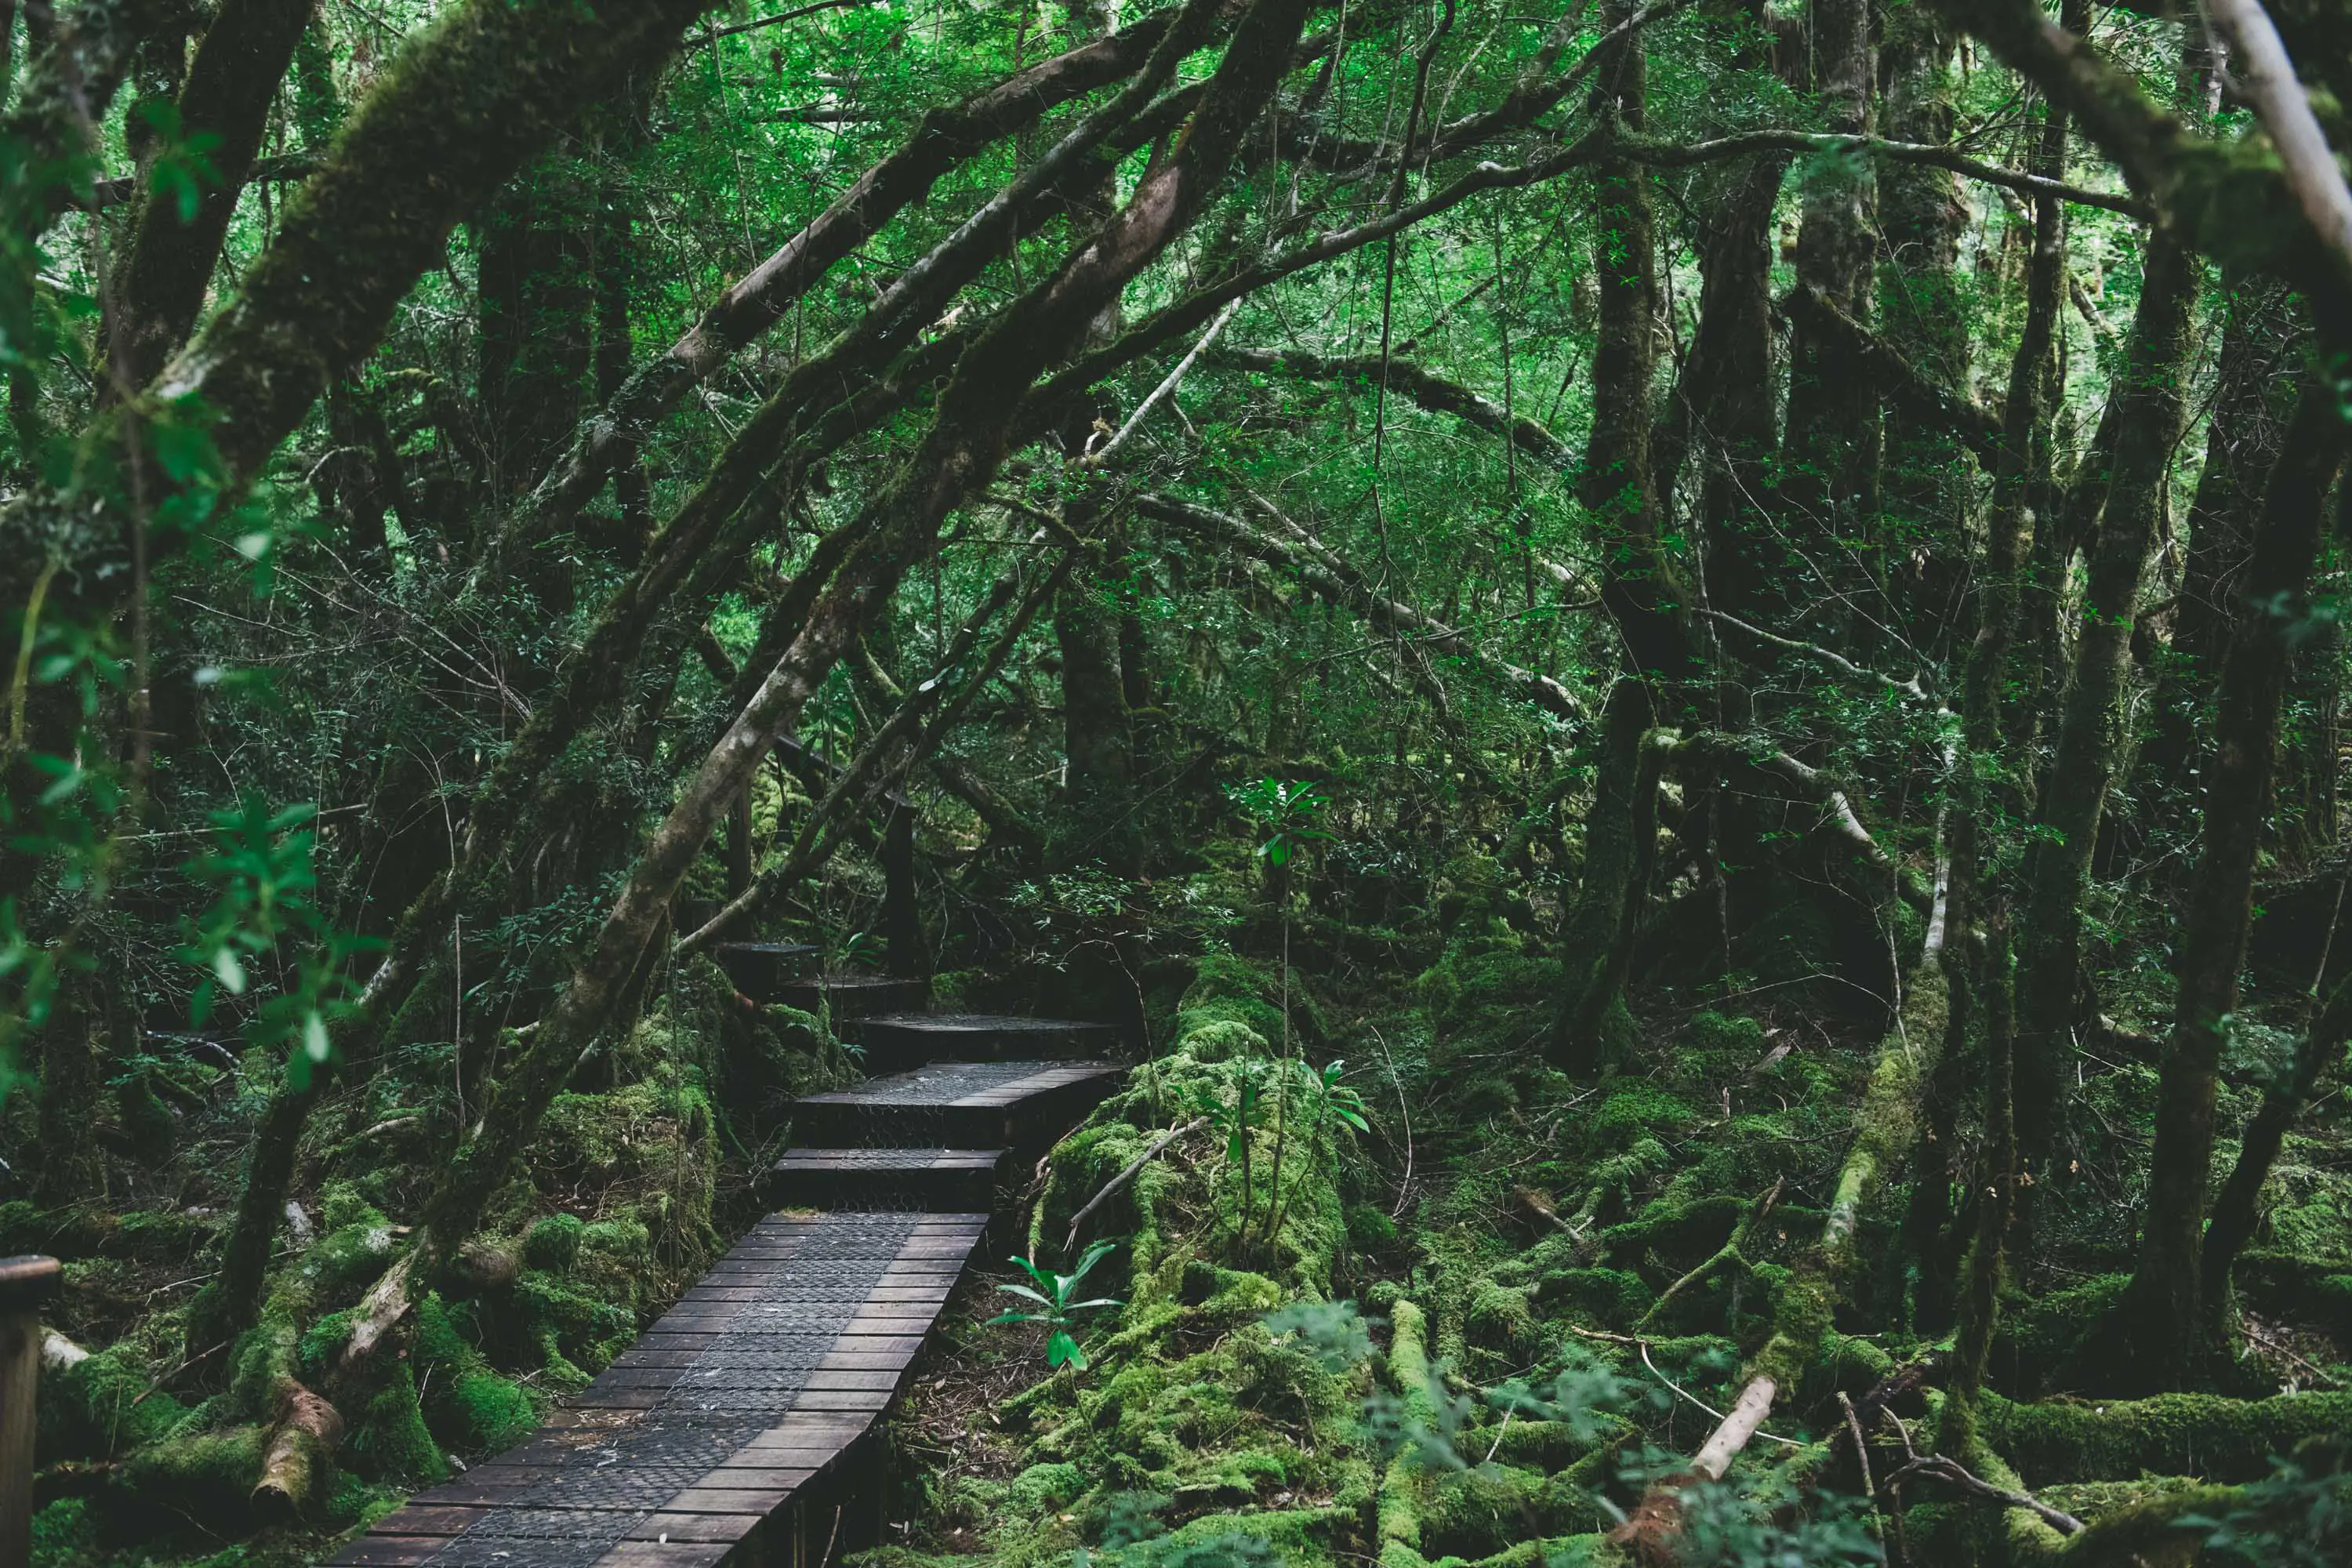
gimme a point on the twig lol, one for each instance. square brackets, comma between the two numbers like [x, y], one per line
[1498, 1445]
[1860, 1448]
[1133, 1165]
[1404, 1110]
[1731, 1251]
[1912, 688]
[157, 1386]
[1727, 1420]
[1096, 459]
[794, 14]
[1945, 1468]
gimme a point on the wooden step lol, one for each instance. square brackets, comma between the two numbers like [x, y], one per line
[934, 1181]
[955, 1105]
[761, 970]
[696, 1446]
[896, 1041]
[846, 998]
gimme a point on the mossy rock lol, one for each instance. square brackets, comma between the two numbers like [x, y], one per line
[1636, 1109]
[349, 1257]
[481, 1414]
[2060, 1335]
[1042, 1486]
[1370, 1229]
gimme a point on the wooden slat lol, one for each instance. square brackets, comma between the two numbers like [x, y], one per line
[390, 1551]
[724, 1528]
[672, 1554]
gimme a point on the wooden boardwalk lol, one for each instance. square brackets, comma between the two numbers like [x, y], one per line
[754, 1385]
[752, 1394]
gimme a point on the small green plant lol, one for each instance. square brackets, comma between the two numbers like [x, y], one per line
[1052, 1293]
[1238, 1117]
[1329, 1097]
[1287, 811]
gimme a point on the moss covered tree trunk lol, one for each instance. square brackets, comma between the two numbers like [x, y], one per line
[1593, 1029]
[538, 310]
[1980, 795]
[2262, 338]
[1830, 451]
[2165, 1306]
[1927, 485]
[459, 112]
[1097, 735]
[2090, 741]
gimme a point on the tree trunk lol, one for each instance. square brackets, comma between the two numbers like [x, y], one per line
[2262, 339]
[1728, 396]
[1096, 736]
[1828, 456]
[2236, 1208]
[2090, 741]
[1926, 485]
[1616, 484]
[1593, 1029]
[2165, 1308]
[474, 96]
[232, 85]
[538, 310]
[231, 1302]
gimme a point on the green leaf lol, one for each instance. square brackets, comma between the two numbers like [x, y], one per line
[1063, 1350]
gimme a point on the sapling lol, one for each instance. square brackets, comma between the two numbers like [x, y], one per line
[1326, 1099]
[1288, 812]
[1237, 1119]
[1052, 1293]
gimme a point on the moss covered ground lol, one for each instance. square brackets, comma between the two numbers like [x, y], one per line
[1458, 1309]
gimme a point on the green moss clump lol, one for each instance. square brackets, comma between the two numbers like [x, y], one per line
[388, 1440]
[483, 1414]
[207, 1477]
[104, 1405]
[356, 1248]
[1370, 1229]
[1604, 1295]
[1048, 1486]
[1634, 1110]
[553, 1243]
[322, 1343]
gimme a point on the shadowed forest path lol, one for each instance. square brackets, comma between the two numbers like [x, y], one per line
[734, 1430]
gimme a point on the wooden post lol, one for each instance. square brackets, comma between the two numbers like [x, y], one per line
[902, 921]
[25, 1285]
[739, 844]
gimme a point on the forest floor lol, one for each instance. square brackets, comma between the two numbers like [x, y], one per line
[1472, 1331]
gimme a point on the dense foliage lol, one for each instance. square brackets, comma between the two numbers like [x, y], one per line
[1679, 664]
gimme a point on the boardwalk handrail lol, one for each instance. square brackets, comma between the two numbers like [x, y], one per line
[26, 1285]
